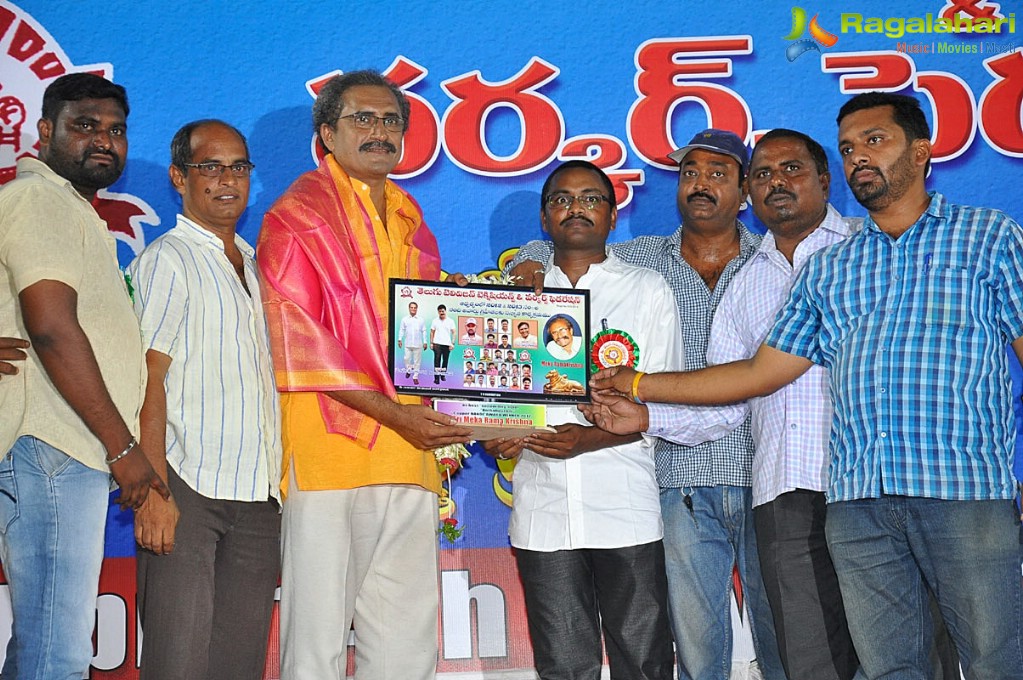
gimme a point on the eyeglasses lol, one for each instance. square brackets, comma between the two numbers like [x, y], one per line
[241, 169]
[586, 201]
[366, 121]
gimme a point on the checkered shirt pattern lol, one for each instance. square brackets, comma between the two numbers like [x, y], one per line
[914, 331]
[727, 461]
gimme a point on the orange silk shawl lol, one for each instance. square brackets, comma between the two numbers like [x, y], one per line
[325, 292]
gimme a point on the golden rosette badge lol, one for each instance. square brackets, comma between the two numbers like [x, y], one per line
[612, 347]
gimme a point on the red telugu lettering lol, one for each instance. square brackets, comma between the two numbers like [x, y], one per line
[464, 122]
[1001, 103]
[664, 68]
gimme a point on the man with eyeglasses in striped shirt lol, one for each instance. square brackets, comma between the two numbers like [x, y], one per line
[210, 556]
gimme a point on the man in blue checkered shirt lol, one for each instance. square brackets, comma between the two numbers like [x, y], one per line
[706, 499]
[912, 316]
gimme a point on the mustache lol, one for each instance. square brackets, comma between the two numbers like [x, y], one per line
[379, 144]
[872, 168]
[576, 217]
[104, 152]
[701, 194]
[780, 192]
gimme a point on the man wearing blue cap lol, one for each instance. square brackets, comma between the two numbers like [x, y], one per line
[706, 499]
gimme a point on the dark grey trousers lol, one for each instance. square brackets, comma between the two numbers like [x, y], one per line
[206, 607]
[572, 594]
[802, 587]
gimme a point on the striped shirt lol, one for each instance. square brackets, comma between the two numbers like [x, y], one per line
[914, 332]
[223, 413]
[728, 460]
[791, 427]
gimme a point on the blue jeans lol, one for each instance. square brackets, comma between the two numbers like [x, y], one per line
[701, 545]
[52, 514]
[887, 551]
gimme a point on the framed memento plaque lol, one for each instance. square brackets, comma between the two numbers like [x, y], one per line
[484, 342]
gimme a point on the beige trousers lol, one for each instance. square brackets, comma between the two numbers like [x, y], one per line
[366, 556]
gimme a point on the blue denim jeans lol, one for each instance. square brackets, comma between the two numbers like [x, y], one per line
[52, 514]
[887, 551]
[701, 545]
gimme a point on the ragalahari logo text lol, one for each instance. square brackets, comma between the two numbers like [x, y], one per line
[801, 45]
[30, 59]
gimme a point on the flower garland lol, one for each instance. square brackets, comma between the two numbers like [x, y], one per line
[449, 460]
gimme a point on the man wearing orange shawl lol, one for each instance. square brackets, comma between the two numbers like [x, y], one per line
[360, 479]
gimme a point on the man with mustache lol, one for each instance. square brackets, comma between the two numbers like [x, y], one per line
[209, 558]
[412, 337]
[442, 339]
[706, 499]
[71, 414]
[525, 338]
[789, 185]
[912, 316]
[563, 344]
[361, 482]
[589, 554]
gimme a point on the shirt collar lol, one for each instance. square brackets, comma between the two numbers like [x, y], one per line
[610, 264]
[35, 166]
[938, 208]
[748, 241]
[194, 232]
[833, 222]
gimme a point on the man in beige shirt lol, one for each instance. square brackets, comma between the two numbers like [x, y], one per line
[71, 412]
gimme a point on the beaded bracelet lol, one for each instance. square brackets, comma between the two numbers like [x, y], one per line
[128, 449]
[635, 387]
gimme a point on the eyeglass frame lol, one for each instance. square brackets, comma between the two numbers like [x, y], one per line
[401, 122]
[222, 168]
[596, 198]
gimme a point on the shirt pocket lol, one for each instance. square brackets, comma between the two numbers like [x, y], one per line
[949, 297]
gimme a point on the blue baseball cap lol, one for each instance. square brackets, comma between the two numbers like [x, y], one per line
[717, 141]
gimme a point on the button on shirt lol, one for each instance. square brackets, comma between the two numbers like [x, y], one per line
[223, 412]
[791, 427]
[914, 331]
[412, 331]
[726, 461]
[607, 498]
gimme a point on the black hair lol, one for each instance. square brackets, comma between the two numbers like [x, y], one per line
[816, 151]
[330, 100]
[74, 87]
[569, 165]
[907, 112]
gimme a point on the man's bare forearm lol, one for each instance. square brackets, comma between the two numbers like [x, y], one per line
[419, 425]
[376, 405]
[595, 439]
[153, 418]
[766, 372]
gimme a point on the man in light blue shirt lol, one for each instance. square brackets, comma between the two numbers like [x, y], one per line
[912, 316]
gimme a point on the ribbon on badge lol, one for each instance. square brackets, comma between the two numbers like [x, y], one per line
[613, 347]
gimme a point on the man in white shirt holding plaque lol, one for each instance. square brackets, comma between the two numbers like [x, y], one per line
[586, 523]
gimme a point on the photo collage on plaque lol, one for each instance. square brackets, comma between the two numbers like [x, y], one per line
[488, 341]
